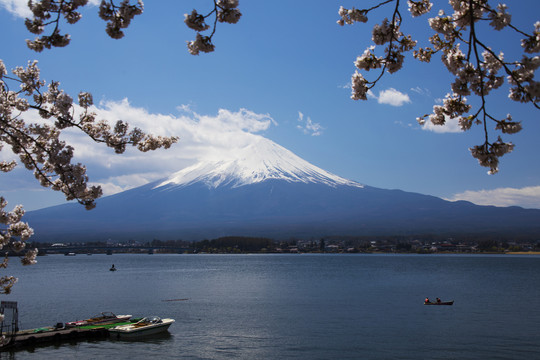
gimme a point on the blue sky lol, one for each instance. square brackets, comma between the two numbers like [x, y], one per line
[283, 72]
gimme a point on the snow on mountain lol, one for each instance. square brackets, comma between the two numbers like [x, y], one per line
[259, 161]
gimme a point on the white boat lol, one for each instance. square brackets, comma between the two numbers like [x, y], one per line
[145, 326]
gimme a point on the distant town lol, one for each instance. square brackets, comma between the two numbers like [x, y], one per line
[244, 245]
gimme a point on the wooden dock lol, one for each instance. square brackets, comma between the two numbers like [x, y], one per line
[51, 335]
[13, 338]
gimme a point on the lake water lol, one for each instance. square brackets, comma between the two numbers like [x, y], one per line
[305, 306]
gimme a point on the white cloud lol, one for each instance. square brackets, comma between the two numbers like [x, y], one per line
[527, 197]
[450, 126]
[121, 183]
[421, 91]
[17, 7]
[390, 96]
[308, 126]
[393, 97]
[201, 137]
[20, 7]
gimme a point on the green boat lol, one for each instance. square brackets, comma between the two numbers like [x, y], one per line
[109, 326]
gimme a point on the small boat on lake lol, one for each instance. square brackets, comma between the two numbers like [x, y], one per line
[439, 303]
[144, 327]
[103, 318]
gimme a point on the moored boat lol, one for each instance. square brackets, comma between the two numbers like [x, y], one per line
[144, 327]
[103, 318]
[109, 326]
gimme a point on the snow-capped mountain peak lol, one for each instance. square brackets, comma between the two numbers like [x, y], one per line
[259, 161]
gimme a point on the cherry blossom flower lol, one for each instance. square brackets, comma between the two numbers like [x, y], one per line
[350, 16]
[201, 43]
[532, 43]
[359, 88]
[500, 18]
[195, 21]
[418, 8]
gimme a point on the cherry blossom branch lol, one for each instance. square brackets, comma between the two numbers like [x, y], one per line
[517, 81]
[224, 11]
[21, 143]
[42, 11]
[118, 17]
[478, 78]
[387, 32]
[37, 145]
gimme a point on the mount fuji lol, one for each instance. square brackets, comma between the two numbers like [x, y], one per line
[265, 190]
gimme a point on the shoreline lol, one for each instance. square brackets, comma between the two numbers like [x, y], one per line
[297, 253]
[523, 253]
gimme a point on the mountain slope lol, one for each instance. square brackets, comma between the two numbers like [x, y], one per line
[265, 190]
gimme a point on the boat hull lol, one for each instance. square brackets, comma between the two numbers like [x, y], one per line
[440, 303]
[133, 332]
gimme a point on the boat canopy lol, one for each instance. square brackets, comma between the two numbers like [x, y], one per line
[150, 320]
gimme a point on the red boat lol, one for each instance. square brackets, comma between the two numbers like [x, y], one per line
[101, 319]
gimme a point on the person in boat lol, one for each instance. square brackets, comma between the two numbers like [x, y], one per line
[438, 301]
[426, 301]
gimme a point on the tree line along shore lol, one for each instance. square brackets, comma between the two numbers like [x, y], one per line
[243, 244]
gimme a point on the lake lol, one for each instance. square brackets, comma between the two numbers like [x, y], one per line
[308, 306]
